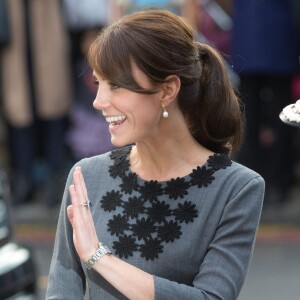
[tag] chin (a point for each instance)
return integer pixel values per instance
(120, 143)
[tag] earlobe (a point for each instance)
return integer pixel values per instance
(171, 89)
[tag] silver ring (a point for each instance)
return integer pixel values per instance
(86, 204)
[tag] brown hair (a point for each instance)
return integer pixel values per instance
(162, 44)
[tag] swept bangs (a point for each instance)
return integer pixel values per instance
(112, 56)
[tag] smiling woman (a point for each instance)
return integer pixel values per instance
(168, 215)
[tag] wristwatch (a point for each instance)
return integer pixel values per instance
(100, 252)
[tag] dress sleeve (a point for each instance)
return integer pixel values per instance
(224, 267)
(66, 278)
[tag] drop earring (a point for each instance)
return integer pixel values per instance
(165, 113)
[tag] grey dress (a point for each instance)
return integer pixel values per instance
(195, 234)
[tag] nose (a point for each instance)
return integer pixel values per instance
(101, 101)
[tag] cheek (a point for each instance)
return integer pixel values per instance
(147, 115)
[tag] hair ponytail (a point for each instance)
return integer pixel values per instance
(215, 120)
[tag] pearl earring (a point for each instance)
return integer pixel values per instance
(165, 113)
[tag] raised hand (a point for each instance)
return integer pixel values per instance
(85, 238)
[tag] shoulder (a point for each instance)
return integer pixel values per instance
(240, 180)
(93, 162)
(236, 177)
(243, 173)
(227, 167)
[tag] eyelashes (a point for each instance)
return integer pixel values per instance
(112, 85)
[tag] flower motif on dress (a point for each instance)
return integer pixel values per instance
(133, 207)
(111, 200)
(177, 188)
(159, 211)
(151, 190)
(129, 183)
(119, 154)
(202, 176)
(185, 212)
(169, 231)
(125, 246)
(151, 249)
(219, 161)
(143, 228)
(113, 171)
(119, 168)
(118, 224)
(147, 220)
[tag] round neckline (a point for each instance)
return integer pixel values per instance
(185, 178)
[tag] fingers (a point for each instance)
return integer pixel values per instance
(84, 232)
(80, 185)
(70, 214)
(74, 211)
(82, 197)
(79, 194)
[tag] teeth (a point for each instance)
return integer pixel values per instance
(115, 119)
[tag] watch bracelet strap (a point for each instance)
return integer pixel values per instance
(99, 253)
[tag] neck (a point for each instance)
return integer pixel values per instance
(167, 157)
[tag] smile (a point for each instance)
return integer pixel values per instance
(115, 120)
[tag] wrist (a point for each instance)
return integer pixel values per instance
(98, 254)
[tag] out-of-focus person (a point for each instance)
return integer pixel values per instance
(125, 7)
(36, 96)
(212, 22)
(87, 132)
(265, 54)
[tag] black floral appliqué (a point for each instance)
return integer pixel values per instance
(151, 249)
(169, 231)
(143, 228)
(119, 168)
(129, 183)
(159, 211)
(118, 225)
(219, 161)
(133, 207)
(152, 212)
(119, 154)
(202, 176)
(185, 212)
(151, 190)
(111, 200)
(177, 188)
(125, 246)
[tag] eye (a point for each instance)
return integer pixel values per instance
(113, 86)
(96, 82)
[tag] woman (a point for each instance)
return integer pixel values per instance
(178, 215)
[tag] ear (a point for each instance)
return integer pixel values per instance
(170, 89)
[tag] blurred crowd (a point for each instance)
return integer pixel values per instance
(47, 87)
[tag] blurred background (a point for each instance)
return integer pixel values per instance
(47, 123)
